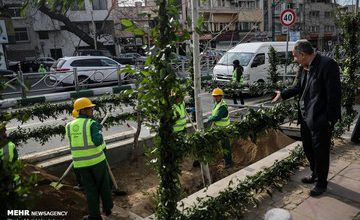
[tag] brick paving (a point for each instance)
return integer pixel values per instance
(340, 202)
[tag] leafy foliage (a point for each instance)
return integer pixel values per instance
(233, 201)
(43, 133)
(274, 61)
(349, 23)
(44, 111)
(16, 189)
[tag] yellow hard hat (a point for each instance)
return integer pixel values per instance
(82, 103)
(217, 91)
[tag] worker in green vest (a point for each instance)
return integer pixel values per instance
(237, 81)
(220, 118)
(8, 152)
(42, 69)
(86, 145)
(179, 114)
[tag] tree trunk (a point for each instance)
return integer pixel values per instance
(70, 26)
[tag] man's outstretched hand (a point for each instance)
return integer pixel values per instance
(277, 97)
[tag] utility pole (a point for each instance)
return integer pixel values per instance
(356, 7)
(273, 20)
(197, 84)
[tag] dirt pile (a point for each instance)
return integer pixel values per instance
(140, 181)
(50, 199)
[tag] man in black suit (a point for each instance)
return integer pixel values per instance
(319, 90)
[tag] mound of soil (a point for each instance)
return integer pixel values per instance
(140, 181)
(50, 199)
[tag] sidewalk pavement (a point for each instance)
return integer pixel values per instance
(340, 202)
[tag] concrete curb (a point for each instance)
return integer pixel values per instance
(61, 96)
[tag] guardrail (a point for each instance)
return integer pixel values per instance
(24, 83)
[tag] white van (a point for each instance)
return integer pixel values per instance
(255, 61)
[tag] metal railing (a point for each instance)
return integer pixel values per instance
(25, 83)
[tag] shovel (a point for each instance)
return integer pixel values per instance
(117, 191)
(57, 185)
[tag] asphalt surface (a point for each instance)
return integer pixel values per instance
(32, 146)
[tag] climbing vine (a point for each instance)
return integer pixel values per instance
(44, 111)
(234, 200)
(43, 133)
(349, 23)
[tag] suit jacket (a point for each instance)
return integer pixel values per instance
(322, 95)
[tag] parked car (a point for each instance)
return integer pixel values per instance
(4, 72)
(89, 69)
(32, 65)
(92, 52)
(130, 58)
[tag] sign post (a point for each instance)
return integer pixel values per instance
(287, 19)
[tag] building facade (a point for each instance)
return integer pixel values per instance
(36, 35)
(230, 22)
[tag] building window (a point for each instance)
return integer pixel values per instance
(43, 35)
(15, 12)
(78, 6)
(314, 28)
(327, 14)
(99, 4)
(221, 3)
(329, 28)
(314, 14)
(21, 34)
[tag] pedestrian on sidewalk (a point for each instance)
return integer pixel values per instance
(87, 144)
(220, 118)
(319, 107)
(8, 150)
(237, 81)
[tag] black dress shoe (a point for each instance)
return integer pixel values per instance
(108, 212)
(309, 180)
(317, 191)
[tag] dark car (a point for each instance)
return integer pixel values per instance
(130, 58)
(6, 74)
(29, 66)
(92, 52)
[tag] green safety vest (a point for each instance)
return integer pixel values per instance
(224, 121)
(84, 152)
(179, 110)
(7, 152)
(234, 76)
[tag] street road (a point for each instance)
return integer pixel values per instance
(32, 146)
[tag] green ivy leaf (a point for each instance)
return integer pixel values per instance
(127, 23)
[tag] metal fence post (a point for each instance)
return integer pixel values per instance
(22, 84)
(118, 69)
(76, 80)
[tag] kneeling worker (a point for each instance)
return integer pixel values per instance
(86, 145)
(220, 118)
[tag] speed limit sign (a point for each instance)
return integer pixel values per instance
(288, 17)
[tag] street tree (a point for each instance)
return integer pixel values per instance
(59, 10)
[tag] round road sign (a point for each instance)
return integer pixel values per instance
(288, 17)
